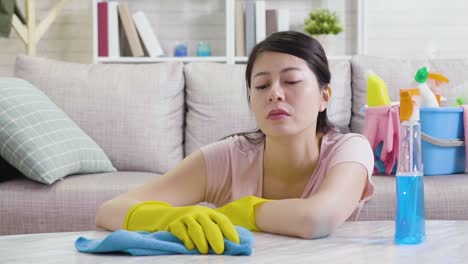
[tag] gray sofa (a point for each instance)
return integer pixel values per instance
(147, 117)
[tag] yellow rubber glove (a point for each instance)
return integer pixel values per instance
(196, 226)
(242, 211)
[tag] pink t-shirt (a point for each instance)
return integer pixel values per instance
(235, 166)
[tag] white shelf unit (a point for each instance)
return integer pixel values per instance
(159, 59)
(361, 28)
(229, 57)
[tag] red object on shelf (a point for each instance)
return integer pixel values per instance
(103, 30)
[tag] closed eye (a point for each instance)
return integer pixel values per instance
(292, 82)
(260, 87)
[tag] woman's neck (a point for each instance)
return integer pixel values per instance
(293, 157)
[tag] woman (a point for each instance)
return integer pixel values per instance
(295, 176)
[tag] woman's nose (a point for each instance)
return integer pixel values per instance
(276, 93)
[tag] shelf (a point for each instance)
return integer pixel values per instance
(228, 56)
(158, 59)
(241, 59)
(186, 59)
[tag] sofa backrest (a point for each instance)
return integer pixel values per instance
(399, 73)
(216, 101)
(142, 119)
(134, 112)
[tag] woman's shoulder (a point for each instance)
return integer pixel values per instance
(234, 144)
(335, 139)
(348, 147)
(247, 144)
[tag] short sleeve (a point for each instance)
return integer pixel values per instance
(356, 148)
(218, 169)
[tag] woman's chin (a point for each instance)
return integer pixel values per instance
(278, 132)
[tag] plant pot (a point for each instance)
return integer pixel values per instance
(328, 43)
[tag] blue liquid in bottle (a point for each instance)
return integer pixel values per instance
(410, 227)
(409, 216)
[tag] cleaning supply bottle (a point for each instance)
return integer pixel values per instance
(434, 81)
(410, 225)
(463, 98)
(377, 93)
(462, 101)
(428, 97)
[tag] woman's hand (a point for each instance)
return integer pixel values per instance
(196, 226)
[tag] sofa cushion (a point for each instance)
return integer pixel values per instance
(399, 73)
(40, 140)
(134, 112)
(68, 205)
(339, 109)
(217, 101)
(71, 204)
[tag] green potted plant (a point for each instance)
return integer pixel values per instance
(323, 25)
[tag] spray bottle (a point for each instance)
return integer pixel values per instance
(463, 98)
(410, 227)
(434, 81)
(377, 93)
(428, 97)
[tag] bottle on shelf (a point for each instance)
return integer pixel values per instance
(203, 49)
(180, 49)
(410, 225)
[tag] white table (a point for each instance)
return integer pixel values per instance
(353, 242)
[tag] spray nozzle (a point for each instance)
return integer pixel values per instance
(438, 77)
(421, 75)
(409, 104)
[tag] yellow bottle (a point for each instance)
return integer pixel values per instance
(377, 93)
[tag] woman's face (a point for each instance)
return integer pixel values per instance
(285, 96)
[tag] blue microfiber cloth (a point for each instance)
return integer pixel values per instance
(158, 243)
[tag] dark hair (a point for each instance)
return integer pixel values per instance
(300, 45)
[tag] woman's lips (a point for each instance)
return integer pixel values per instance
(277, 117)
(277, 114)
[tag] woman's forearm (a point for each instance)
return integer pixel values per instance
(111, 214)
(303, 218)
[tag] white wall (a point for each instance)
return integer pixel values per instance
(68, 38)
(417, 28)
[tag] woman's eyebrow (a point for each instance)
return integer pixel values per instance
(282, 71)
(261, 73)
(290, 69)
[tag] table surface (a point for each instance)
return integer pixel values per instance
(353, 242)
